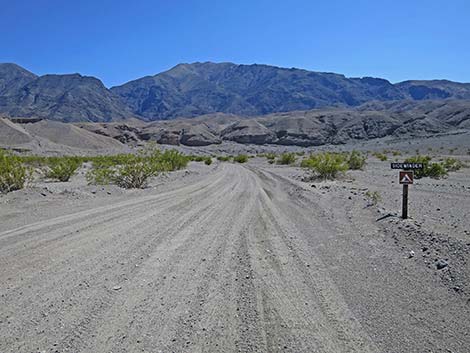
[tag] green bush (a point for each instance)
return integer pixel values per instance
(286, 159)
(133, 171)
(241, 158)
(63, 168)
(197, 158)
(452, 164)
(134, 175)
(356, 161)
(433, 170)
(436, 170)
(224, 158)
(208, 161)
(380, 156)
(326, 165)
(101, 176)
(13, 173)
(270, 156)
(170, 160)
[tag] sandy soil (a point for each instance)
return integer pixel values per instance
(236, 258)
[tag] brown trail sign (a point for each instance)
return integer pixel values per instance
(406, 177)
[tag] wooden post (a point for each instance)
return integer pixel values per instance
(404, 210)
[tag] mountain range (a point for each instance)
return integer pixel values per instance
(190, 90)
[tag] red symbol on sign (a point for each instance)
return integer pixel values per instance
(406, 178)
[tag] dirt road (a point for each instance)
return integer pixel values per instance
(244, 260)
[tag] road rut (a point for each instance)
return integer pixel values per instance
(241, 261)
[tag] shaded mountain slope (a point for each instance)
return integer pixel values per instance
(65, 98)
(189, 90)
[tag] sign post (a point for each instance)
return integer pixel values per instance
(404, 207)
(406, 178)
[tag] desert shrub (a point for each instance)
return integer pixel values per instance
(374, 197)
(194, 158)
(133, 170)
(286, 159)
(436, 170)
(326, 165)
(356, 161)
(13, 173)
(62, 168)
(134, 175)
(380, 156)
(224, 158)
(241, 158)
(270, 156)
(34, 161)
(208, 161)
(300, 153)
(433, 170)
(271, 161)
(170, 160)
(396, 153)
(452, 164)
(101, 176)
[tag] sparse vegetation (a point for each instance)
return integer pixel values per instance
(208, 161)
(194, 158)
(224, 158)
(241, 158)
(453, 164)
(433, 170)
(356, 161)
(133, 171)
(286, 159)
(380, 156)
(270, 156)
(13, 173)
(62, 168)
(326, 165)
(374, 197)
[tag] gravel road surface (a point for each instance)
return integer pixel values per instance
(243, 260)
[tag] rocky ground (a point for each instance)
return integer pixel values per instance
(237, 257)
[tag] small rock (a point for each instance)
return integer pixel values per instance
(117, 287)
(440, 264)
(411, 254)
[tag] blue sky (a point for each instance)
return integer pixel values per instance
(118, 41)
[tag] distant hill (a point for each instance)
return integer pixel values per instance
(190, 90)
(395, 119)
(67, 98)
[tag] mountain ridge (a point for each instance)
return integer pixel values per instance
(192, 89)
